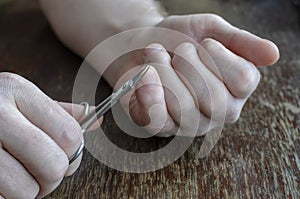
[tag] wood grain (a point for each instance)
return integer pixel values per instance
(258, 157)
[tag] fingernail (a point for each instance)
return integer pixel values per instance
(149, 50)
(150, 77)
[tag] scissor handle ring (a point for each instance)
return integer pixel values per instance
(80, 148)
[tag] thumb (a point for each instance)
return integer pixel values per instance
(77, 111)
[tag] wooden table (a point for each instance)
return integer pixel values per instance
(258, 157)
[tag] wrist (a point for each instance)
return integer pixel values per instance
(147, 14)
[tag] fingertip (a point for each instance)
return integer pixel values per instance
(96, 125)
(261, 52)
(271, 53)
(156, 53)
(150, 77)
(154, 47)
(183, 54)
(75, 110)
(100, 120)
(183, 47)
(74, 166)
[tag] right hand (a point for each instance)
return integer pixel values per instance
(37, 137)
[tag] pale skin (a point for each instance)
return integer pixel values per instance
(35, 144)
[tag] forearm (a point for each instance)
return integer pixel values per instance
(82, 24)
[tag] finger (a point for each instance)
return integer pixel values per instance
(259, 51)
(206, 88)
(240, 76)
(74, 166)
(180, 103)
(160, 58)
(157, 55)
(149, 106)
(77, 111)
(37, 152)
(15, 181)
(48, 116)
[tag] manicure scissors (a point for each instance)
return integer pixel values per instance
(104, 106)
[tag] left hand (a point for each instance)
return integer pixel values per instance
(218, 70)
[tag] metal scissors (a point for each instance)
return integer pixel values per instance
(104, 106)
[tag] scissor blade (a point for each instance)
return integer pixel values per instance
(95, 114)
(104, 106)
(129, 84)
(140, 75)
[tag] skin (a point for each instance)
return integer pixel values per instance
(222, 63)
(221, 55)
(35, 145)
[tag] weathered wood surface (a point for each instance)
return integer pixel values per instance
(258, 157)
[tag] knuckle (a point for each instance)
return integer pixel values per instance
(210, 22)
(155, 49)
(212, 46)
(7, 75)
(156, 53)
(247, 78)
(155, 46)
(159, 57)
(12, 84)
(212, 19)
(232, 115)
(7, 78)
(184, 47)
(207, 42)
(183, 52)
(70, 136)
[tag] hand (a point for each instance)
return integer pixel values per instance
(217, 71)
(37, 138)
(222, 55)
